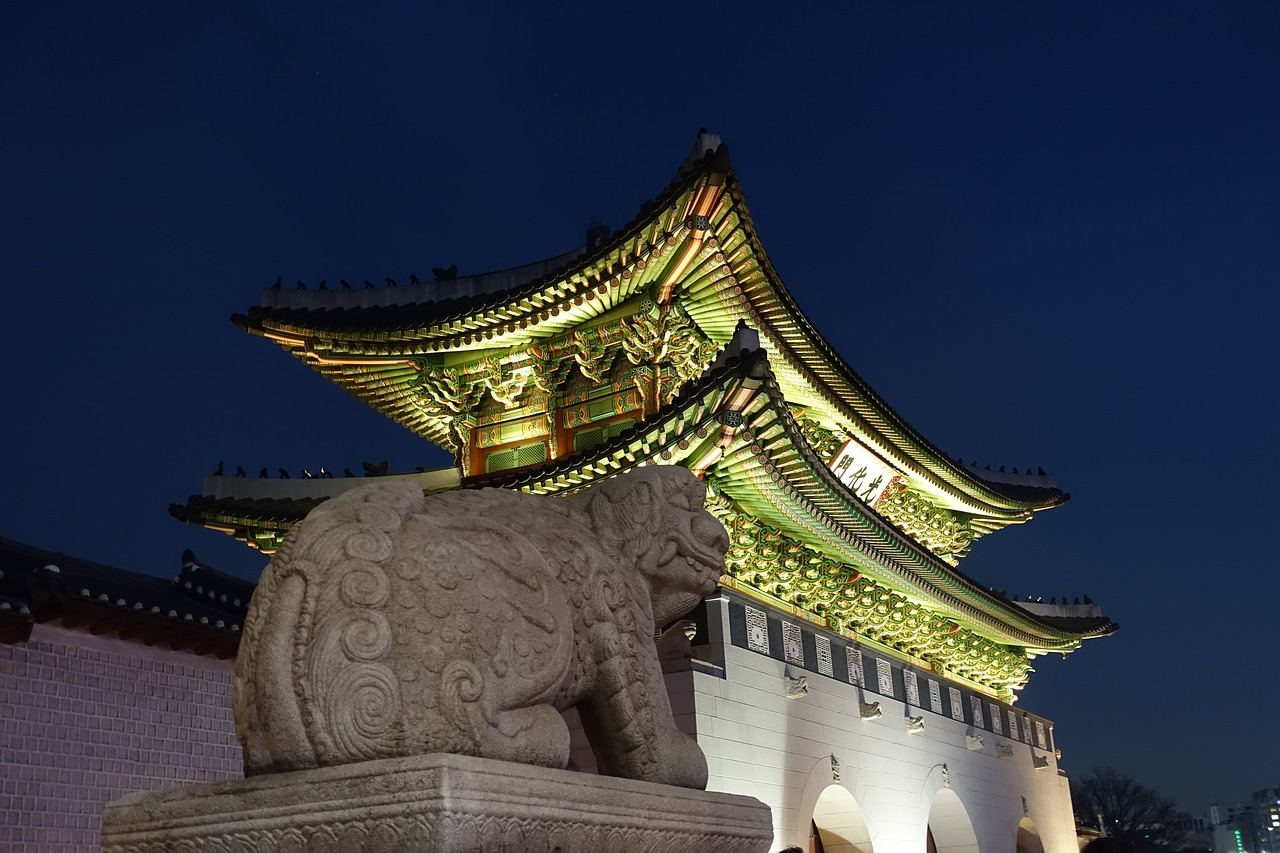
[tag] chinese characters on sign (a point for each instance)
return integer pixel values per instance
(861, 472)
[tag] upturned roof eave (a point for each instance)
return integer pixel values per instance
(913, 566)
(55, 588)
(849, 398)
(888, 553)
(917, 571)
(266, 318)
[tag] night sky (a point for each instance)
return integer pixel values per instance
(1046, 233)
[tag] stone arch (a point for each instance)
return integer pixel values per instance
(949, 828)
(838, 822)
(841, 793)
(1028, 839)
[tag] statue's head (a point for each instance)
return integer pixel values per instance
(654, 519)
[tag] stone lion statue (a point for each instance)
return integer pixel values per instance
(391, 624)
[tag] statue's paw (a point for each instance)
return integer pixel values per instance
(535, 735)
(681, 762)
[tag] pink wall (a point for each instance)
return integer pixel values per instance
(85, 720)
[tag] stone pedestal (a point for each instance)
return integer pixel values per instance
(437, 804)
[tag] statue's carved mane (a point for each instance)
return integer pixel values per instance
(392, 624)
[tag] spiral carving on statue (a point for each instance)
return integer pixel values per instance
(394, 624)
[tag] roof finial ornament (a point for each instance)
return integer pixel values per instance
(413, 279)
(704, 143)
(598, 234)
(447, 274)
(745, 340)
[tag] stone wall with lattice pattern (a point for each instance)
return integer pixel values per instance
(85, 720)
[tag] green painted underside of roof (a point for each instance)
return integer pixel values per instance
(798, 533)
(719, 276)
(811, 374)
(786, 569)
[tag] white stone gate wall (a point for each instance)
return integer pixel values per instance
(779, 750)
(85, 720)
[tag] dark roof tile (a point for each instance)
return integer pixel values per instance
(50, 586)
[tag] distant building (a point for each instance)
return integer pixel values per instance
(1219, 814)
(1266, 820)
(1236, 834)
(1192, 826)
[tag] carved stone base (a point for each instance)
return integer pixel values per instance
(436, 804)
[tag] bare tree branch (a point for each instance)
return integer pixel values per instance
(1129, 811)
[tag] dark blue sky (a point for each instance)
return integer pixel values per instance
(1046, 233)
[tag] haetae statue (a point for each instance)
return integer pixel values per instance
(392, 624)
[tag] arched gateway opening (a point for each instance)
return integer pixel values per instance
(838, 825)
(1029, 837)
(950, 830)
